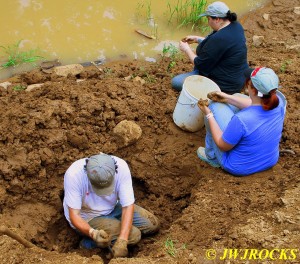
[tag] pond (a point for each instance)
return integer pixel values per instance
(81, 31)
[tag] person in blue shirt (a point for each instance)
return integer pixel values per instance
(243, 133)
(222, 55)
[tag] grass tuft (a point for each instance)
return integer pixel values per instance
(170, 247)
(16, 57)
(19, 87)
(144, 12)
(173, 53)
(186, 13)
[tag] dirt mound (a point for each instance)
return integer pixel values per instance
(46, 129)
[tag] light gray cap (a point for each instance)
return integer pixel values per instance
(216, 9)
(101, 171)
(264, 80)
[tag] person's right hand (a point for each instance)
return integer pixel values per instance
(203, 106)
(184, 46)
(102, 239)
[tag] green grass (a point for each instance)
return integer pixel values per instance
(173, 53)
(170, 247)
(19, 87)
(16, 57)
(186, 13)
(144, 13)
(285, 65)
(143, 10)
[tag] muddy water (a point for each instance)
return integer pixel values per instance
(79, 31)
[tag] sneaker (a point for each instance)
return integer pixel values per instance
(87, 243)
(201, 154)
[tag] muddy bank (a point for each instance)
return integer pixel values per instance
(43, 131)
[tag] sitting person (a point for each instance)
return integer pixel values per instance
(243, 133)
(99, 204)
(222, 55)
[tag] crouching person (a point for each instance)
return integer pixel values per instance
(99, 204)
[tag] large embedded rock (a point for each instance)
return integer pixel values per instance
(127, 133)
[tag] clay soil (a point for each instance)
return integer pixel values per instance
(200, 207)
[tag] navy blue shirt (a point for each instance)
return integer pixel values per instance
(222, 57)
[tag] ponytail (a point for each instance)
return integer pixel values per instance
(270, 101)
(231, 16)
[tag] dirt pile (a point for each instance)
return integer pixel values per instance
(43, 131)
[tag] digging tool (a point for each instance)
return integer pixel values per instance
(5, 231)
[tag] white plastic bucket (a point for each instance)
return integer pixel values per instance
(187, 114)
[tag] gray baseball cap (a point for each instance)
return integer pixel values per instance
(216, 9)
(264, 79)
(101, 171)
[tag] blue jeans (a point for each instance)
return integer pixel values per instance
(178, 80)
(222, 114)
(144, 222)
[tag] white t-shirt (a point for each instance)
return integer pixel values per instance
(79, 193)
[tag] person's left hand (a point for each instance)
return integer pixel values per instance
(119, 250)
(203, 105)
(184, 46)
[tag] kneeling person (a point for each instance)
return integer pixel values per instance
(99, 204)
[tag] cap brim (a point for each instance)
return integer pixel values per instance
(104, 191)
(247, 72)
(202, 15)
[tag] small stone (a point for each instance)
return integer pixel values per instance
(297, 10)
(192, 258)
(5, 84)
(128, 78)
(139, 79)
(257, 40)
(266, 16)
(33, 87)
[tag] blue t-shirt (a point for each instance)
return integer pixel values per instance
(222, 57)
(255, 134)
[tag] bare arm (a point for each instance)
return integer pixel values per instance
(192, 39)
(79, 222)
(126, 222)
(238, 101)
(185, 47)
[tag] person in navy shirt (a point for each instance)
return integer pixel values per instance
(222, 55)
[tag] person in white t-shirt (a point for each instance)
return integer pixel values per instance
(99, 204)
